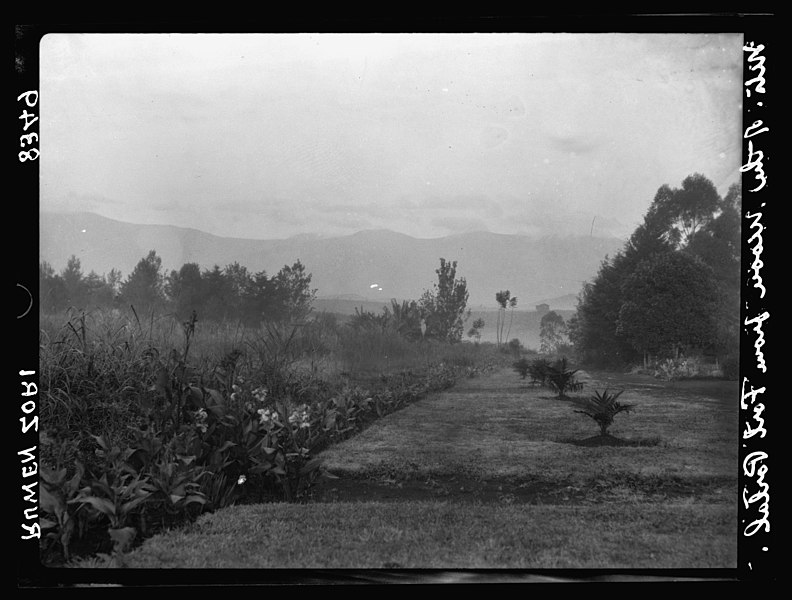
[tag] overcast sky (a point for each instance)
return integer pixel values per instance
(272, 135)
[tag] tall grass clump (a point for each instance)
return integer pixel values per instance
(93, 371)
(366, 352)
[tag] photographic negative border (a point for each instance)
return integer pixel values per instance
(756, 554)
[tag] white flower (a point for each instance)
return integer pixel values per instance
(300, 417)
(242, 479)
(200, 419)
(267, 415)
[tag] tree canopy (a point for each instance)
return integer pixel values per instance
(552, 329)
(668, 303)
(444, 306)
(676, 281)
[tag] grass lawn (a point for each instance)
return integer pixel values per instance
(495, 473)
(449, 535)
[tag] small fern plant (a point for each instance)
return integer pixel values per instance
(603, 407)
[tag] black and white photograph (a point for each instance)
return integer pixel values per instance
(448, 305)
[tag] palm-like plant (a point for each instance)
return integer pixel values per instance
(561, 379)
(603, 407)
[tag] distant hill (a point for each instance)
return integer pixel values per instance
(370, 266)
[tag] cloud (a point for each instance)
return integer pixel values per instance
(407, 132)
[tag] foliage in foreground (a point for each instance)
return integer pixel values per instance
(136, 439)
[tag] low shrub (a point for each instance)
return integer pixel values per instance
(561, 379)
(539, 370)
(515, 347)
(602, 408)
(522, 367)
(685, 368)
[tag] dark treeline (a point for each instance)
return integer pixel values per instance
(214, 294)
(233, 293)
(674, 289)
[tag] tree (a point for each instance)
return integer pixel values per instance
(552, 329)
(185, 289)
(216, 294)
(293, 293)
(52, 289)
(98, 291)
(512, 305)
(114, 279)
(669, 304)
(595, 336)
(74, 283)
(677, 219)
(444, 305)
(239, 284)
(475, 330)
(143, 289)
(504, 300)
(691, 208)
(718, 244)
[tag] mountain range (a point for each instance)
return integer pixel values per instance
(368, 266)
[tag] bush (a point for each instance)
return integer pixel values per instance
(522, 367)
(683, 368)
(515, 347)
(539, 370)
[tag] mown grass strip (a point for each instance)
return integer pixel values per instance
(447, 535)
(498, 426)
